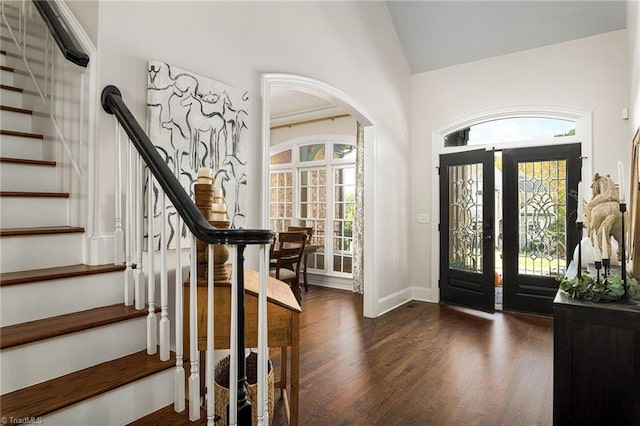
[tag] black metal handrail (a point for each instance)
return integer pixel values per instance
(61, 34)
(112, 103)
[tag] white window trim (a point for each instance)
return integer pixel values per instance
(582, 117)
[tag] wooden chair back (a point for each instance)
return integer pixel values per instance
(289, 249)
(307, 229)
(287, 254)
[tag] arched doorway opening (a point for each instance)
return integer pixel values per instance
(350, 106)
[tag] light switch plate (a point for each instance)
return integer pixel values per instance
(423, 218)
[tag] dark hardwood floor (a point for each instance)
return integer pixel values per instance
(421, 364)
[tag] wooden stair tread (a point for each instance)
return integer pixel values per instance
(35, 275)
(27, 161)
(6, 68)
(33, 331)
(34, 194)
(12, 88)
(43, 398)
(45, 230)
(15, 109)
(167, 416)
(21, 134)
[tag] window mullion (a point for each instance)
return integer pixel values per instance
(295, 197)
(328, 240)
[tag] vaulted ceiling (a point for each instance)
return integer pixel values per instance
(438, 34)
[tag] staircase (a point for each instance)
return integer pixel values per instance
(70, 351)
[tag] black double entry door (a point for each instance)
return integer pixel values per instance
(507, 216)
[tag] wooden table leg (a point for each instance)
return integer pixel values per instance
(283, 368)
(295, 369)
(304, 272)
(283, 382)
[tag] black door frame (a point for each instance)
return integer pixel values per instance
(458, 287)
(530, 293)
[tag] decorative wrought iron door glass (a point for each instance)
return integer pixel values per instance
(542, 239)
(465, 217)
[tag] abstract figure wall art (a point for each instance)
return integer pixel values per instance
(196, 122)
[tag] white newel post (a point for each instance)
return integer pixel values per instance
(164, 289)
(128, 231)
(179, 379)
(152, 321)
(118, 235)
(194, 377)
(138, 274)
(210, 339)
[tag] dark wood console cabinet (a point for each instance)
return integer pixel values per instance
(596, 362)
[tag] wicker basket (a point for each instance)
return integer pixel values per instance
(221, 381)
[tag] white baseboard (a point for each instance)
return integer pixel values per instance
(385, 304)
(392, 301)
(399, 298)
(422, 294)
(339, 283)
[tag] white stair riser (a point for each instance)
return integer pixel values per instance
(59, 297)
(20, 79)
(119, 406)
(21, 147)
(13, 57)
(7, 40)
(36, 362)
(40, 251)
(25, 177)
(6, 77)
(23, 100)
(24, 212)
(3, 59)
(16, 121)
(11, 98)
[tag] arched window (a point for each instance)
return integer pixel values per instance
(511, 129)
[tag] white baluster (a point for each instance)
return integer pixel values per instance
(263, 344)
(118, 235)
(138, 274)
(179, 378)
(164, 289)
(48, 49)
(210, 327)
(128, 231)
(152, 321)
(233, 344)
(194, 377)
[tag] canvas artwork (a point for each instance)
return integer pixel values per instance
(195, 122)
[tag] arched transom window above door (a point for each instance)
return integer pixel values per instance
(512, 129)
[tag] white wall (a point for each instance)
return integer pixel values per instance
(87, 14)
(590, 73)
(349, 45)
